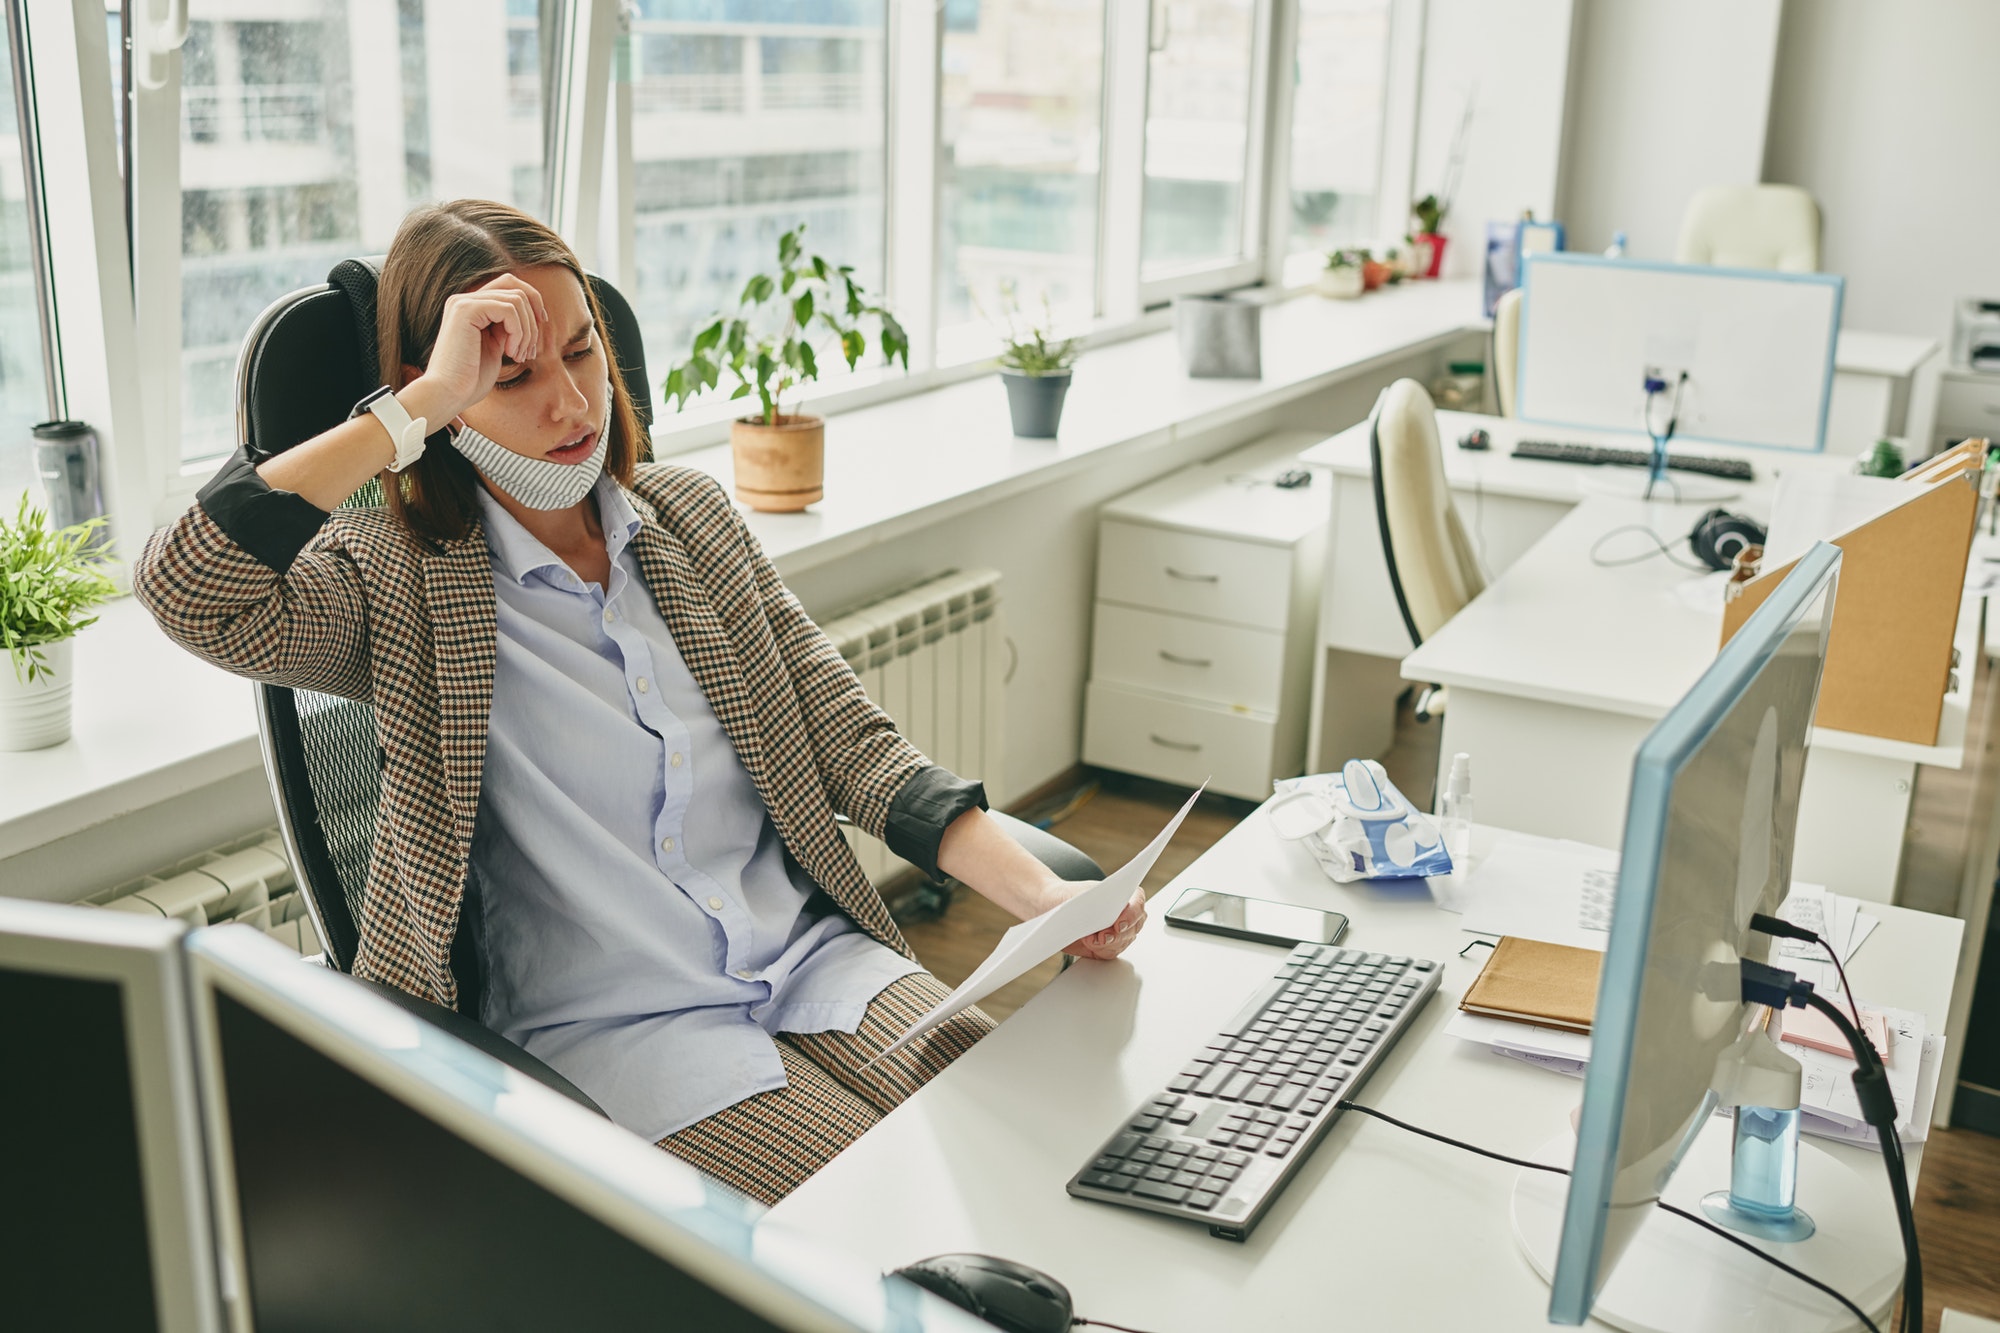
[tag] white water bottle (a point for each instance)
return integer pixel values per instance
(1615, 250)
(1455, 814)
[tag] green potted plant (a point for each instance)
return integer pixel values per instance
(1036, 369)
(1341, 278)
(48, 580)
(767, 345)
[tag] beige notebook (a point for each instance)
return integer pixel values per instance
(1532, 981)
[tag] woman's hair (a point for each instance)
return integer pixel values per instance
(440, 251)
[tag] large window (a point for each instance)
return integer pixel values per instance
(748, 118)
(1339, 81)
(307, 129)
(1018, 148)
(1199, 114)
(23, 392)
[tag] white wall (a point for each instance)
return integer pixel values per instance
(1510, 59)
(1885, 112)
(1666, 96)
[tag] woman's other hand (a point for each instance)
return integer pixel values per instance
(1112, 940)
(482, 330)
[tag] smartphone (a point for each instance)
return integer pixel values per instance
(1255, 919)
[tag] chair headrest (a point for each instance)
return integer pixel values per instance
(356, 279)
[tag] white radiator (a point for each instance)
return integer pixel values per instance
(246, 880)
(934, 658)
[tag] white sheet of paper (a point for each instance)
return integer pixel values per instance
(1042, 937)
(1534, 887)
(1525, 1038)
(1828, 1090)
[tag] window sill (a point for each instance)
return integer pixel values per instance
(153, 722)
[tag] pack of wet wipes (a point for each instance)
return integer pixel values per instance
(1357, 825)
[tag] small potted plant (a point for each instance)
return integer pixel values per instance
(1341, 278)
(1373, 271)
(47, 581)
(1428, 241)
(1036, 368)
(767, 346)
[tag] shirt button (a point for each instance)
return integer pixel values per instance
(609, 615)
(676, 760)
(643, 686)
(715, 904)
(666, 844)
(746, 974)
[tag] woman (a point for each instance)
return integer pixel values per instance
(613, 743)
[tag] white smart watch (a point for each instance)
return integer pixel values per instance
(406, 431)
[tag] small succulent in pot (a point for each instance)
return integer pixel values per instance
(1036, 368)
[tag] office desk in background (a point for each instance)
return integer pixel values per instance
(1508, 505)
(1560, 668)
(1379, 1229)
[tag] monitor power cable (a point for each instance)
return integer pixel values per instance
(1660, 547)
(1785, 930)
(1682, 1213)
(1778, 989)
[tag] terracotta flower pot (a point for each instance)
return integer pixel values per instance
(780, 468)
(1373, 274)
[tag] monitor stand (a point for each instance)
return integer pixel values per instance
(1677, 1278)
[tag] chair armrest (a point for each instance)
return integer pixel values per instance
(485, 1039)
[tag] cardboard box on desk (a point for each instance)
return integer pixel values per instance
(1896, 604)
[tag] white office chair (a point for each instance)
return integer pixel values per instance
(1751, 226)
(1506, 349)
(1434, 568)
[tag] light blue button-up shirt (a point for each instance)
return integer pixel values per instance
(643, 929)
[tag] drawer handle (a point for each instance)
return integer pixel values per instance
(1178, 660)
(1173, 573)
(1189, 746)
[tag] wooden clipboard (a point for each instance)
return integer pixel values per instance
(1896, 604)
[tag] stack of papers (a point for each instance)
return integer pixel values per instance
(1561, 892)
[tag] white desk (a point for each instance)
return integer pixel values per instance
(1560, 668)
(1378, 1230)
(1508, 504)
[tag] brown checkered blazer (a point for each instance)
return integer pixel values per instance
(356, 605)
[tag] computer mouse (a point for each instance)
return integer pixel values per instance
(1475, 439)
(1003, 1293)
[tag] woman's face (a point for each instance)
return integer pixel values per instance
(553, 406)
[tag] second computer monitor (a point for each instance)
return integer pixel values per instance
(102, 1188)
(1757, 349)
(373, 1172)
(1708, 842)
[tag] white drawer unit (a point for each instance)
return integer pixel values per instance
(1232, 665)
(1207, 594)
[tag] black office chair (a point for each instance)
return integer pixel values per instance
(305, 362)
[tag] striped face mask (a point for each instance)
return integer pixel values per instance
(535, 482)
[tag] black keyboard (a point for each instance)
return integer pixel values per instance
(1233, 1126)
(1597, 455)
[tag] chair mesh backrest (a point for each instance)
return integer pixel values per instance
(343, 766)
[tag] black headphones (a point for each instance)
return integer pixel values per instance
(1720, 536)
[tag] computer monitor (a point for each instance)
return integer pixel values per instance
(102, 1184)
(1708, 842)
(374, 1172)
(1757, 347)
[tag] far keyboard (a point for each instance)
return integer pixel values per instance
(1219, 1143)
(1594, 455)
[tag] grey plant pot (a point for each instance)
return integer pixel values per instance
(1219, 337)
(1035, 402)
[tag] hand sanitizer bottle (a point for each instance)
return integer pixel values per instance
(1455, 814)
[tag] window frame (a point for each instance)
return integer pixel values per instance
(117, 284)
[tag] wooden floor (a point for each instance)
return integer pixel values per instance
(1958, 1198)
